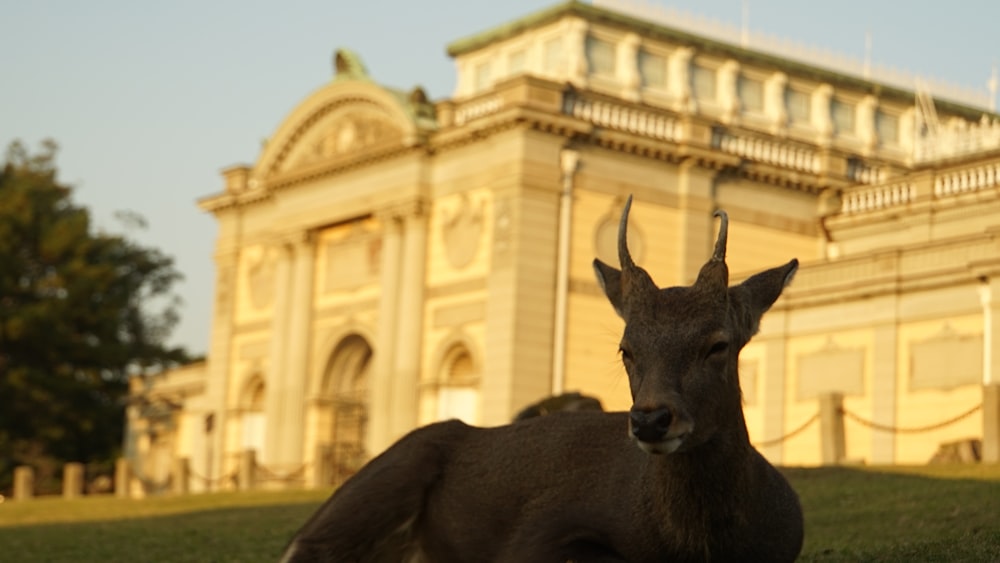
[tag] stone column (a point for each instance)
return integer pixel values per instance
(247, 473)
(384, 360)
(296, 370)
(831, 428)
(181, 475)
(72, 482)
(884, 393)
(774, 101)
(276, 380)
(24, 482)
(679, 79)
(991, 423)
(628, 66)
(410, 319)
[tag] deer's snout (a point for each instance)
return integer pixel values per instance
(651, 429)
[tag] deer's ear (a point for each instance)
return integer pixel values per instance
(756, 295)
(610, 279)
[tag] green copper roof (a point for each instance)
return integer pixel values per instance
(701, 44)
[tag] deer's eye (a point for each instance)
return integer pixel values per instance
(719, 348)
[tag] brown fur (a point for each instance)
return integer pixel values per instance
(575, 486)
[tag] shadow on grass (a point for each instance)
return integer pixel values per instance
(245, 534)
(900, 514)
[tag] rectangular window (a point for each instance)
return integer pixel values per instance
(653, 70)
(887, 128)
(751, 94)
(554, 55)
(843, 114)
(703, 82)
(600, 56)
(517, 61)
(799, 106)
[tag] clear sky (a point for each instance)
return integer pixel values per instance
(149, 100)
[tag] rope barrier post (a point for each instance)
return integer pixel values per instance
(991, 423)
(72, 481)
(831, 428)
(123, 477)
(181, 476)
(248, 467)
(24, 482)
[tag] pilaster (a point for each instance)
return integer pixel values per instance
(380, 428)
(695, 205)
(275, 399)
(296, 369)
(409, 322)
(884, 389)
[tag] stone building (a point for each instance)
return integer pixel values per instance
(389, 261)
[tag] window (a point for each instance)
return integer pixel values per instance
(751, 93)
(652, 70)
(887, 128)
(703, 82)
(843, 114)
(554, 55)
(799, 105)
(483, 76)
(517, 62)
(600, 56)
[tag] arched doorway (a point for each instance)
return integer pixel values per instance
(454, 391)
(345, 402)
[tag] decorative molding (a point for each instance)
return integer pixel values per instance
(455, 288)
(831, 369)
(946, 360)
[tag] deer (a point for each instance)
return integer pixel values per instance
(675, 478)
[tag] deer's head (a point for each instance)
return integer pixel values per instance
(681, 345)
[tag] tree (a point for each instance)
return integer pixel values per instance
(76, 321)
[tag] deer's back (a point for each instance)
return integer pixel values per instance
(575, 483)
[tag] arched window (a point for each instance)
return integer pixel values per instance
(344, 405)
(454, 392)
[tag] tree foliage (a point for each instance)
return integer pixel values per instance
(77, 319)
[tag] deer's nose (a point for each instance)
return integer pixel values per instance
(650, 426)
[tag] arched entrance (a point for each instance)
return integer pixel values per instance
(344, 408)
(454, 390)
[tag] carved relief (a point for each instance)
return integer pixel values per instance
(606, 236)
(352, 260)
(343, 133)
(831, 369)
(946, 360)
(461, 230)
(260, 268)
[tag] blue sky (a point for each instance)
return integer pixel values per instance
(149, 100)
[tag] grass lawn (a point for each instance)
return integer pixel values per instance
(934, 513)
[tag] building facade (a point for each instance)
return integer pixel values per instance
(389, 261)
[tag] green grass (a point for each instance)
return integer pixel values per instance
(934, 513)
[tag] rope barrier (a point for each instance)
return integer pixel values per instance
(229, 477)
(271, 475)
(912, 430)
(799, 430)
